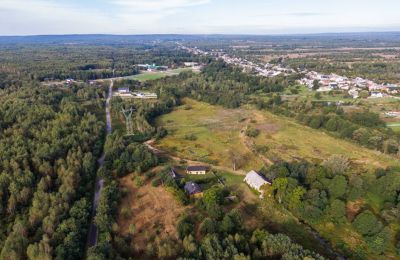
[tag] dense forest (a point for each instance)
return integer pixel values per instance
(334, 193)
(49, 142)
(87, 62)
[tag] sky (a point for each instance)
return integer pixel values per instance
(38, 17)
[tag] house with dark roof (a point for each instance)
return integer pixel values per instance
(196, 170)
(192, 188)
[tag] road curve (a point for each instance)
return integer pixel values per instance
(93, 232)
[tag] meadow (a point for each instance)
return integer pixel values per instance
(146, 76)
(212, 134)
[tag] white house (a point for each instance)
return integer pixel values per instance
(123, 90)
(197, 170)
(376, 94)
(255, 180)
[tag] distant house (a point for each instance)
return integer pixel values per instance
(192, 188)
(376, 95)
(255, 180)
(123, 90)
(190, 64)
(199, 170)
(69, 81)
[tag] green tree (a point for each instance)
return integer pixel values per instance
(367, 224)
(279, 186)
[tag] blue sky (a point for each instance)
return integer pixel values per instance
(30, 17)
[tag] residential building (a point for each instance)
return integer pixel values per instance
(192, 188)
(198, 170)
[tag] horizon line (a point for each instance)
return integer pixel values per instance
(202, 34)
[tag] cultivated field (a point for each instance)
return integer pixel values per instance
(203, 132)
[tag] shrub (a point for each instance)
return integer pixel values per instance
(252, 132)
(336, 164)
(156, 182)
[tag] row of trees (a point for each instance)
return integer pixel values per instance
(364, 127)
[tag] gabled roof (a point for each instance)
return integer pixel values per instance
(196, 168)
(255, 179)
(192, 188)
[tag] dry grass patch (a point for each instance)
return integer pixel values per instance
(152, 210)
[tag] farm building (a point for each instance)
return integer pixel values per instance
(192, 188)
(255, 180)
(196, 170)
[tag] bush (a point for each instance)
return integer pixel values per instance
(252, 132)
(190, 137)
(156, 182)
(138, 182)
(336, 164)
(367, 224)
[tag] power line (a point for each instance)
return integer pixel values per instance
(128, 120)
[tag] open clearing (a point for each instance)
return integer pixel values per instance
(153, 210)
(202, 132)
(145, 76)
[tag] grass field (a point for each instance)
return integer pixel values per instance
(198, 131)
(203, 132)
(394, 126)
(145, 76)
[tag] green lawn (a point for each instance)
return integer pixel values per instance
(145, 76)
(394, 126)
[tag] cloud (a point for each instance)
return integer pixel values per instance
(302, 14)
(105, 16)
(158, 5)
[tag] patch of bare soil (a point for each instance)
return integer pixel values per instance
(153, 211)
(353, 208)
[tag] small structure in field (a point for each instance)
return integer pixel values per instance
(145, 95)
(123, 90)
(190, 64)
(256, 181)
(192, 188)
(197, 170)
(69, 81)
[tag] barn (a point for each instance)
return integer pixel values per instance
(255, 180)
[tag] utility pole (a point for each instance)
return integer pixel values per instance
(128, 120)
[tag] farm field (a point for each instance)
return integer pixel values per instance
(199, 131)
